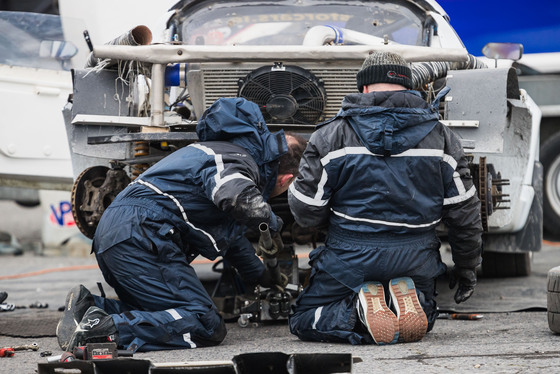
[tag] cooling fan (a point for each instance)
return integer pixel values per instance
(285, 94)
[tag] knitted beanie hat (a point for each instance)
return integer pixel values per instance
(384, 67)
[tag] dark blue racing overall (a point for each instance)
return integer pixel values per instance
(381, 176)
(197, 201)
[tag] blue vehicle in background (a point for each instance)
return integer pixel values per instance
(535, 25)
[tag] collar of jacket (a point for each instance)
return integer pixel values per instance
(389, 122)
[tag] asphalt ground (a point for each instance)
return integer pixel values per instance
(501, 342)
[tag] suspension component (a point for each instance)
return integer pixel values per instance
(93, 191)
(490, 190)
(140, 149)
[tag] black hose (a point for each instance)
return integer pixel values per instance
(426, 72)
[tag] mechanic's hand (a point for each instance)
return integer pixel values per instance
(277, 245)
(467, 281)
(271, 278)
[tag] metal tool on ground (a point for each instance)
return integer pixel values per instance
(26, 347)
(67, 357)
(92, 351)
(64, 357)
(6, 307)
(461, 316)
(96, 351)
(100, 351)
(39, 305)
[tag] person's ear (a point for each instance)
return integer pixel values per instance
(285, 179)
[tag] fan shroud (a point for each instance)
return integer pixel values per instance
(285, 94)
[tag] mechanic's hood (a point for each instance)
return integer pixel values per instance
(389, 122)
(240, 122)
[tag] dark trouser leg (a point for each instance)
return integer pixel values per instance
(169, 307)
(425, 289)
(169, 329)
(325, 311)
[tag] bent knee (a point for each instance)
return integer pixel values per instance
(216, 328)
(215, 338)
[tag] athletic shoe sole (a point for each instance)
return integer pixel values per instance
(381, 322)
(72, 316)
(413, 323)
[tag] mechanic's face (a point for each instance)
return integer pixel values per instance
(283, 181)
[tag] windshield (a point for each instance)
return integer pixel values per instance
(287, 22)
(34, 40)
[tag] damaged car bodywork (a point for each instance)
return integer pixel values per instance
(297, 60)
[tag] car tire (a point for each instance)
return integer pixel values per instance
(502, 265)
(553, 299)
(550, 158)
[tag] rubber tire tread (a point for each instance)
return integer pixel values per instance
(553, 280)
(548, 154)
(553, 299)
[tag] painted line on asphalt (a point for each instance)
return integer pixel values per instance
(195, 262)
(93, 267)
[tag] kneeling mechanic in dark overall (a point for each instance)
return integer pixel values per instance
(199, 200)
(382, 175)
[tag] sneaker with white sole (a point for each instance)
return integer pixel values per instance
(413, 323)
(78, 301)
(380, 321)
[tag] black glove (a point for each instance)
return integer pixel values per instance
(279, 224)
(271, 278)
(277, 245)
(467, 281)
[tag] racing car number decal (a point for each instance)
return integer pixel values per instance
(286, 17)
